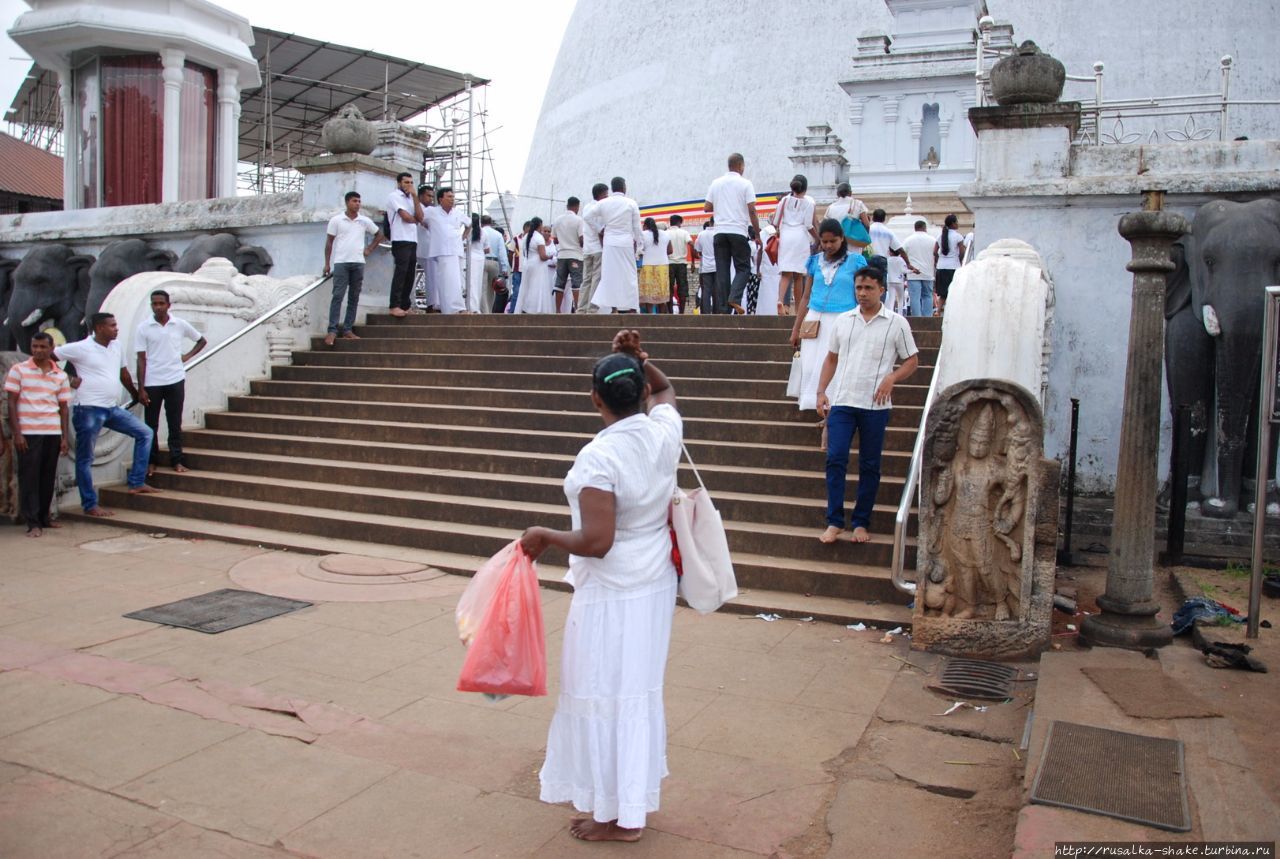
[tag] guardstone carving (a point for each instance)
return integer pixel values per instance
(981, 588)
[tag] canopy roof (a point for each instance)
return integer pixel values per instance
(304, 82)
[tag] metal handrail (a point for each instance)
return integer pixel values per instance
(206, 355)
(910, 490)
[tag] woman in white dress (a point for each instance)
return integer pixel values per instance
(947, 257)
(537, 280)
(655, 268)
(606, 749)
(849, 206)
(475, 282)
(796, 220)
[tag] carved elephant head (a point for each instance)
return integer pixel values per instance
(6, 289)
(252, 259)
(119, 261)
(248, 259)
(51, 284)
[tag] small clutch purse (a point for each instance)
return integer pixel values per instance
(809, 328)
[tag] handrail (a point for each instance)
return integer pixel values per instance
(206, 355)
(908, 491)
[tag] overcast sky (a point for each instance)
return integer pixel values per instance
(512, 44)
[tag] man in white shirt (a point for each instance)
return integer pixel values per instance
(495, 264)
(445, 225)
(617, 217)
(567, 231)
(161, 375)
(732, 199)
(679, 260)
(591, 250)
(854, 394)
(404, 213)
(429, 299)
(100, 367)
(919, 246)
(345, 251)
(704, 254)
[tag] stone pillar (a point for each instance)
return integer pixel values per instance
(1128, 609)
(173, 61)
(891, 105)
(228, 139)
(856, 107)
(71, 151)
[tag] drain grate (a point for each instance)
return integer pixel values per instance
(974, 678)
(218, 611)
(1114, 773)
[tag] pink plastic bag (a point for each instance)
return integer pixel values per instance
(500, 620)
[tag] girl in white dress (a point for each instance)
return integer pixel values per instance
(655, 268)
(606, 750)
(475, 283)
(770, 301)
(797, 223)
(537, 280)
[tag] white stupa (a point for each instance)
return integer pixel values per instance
(662, 96)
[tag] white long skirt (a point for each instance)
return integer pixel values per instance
(770, 282)
(475, 285)
(619, 287)
(793, 249)
(446, 275)
(535, 288)
(812, 353)
(607, 747)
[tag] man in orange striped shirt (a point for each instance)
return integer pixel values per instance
(38, 396)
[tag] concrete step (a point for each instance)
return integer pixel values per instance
(442, 511)
(465, 328)
(334, 368)
(375, 396)
(845, 573)
(751, 600)
(504, 348)
(564, 445)
(512, 491)
(609, 324)
(407, 423)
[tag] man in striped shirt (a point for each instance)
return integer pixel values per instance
(38, 415)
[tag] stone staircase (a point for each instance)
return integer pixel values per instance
(446, 436)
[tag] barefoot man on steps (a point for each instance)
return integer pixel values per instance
(865, 343)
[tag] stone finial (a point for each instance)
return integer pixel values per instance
(1027, 76)
(349, 131)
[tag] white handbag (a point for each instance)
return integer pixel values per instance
(708, 581)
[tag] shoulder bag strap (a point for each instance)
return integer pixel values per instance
(691, 465)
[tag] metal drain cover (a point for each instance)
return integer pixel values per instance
(974, 678)
(218, 611)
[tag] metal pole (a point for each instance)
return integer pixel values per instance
(205, 356)
(1225, 62)
(471, 115)
(1097, 102)
(1176, 532)
(1065, 557)
(1266, 411)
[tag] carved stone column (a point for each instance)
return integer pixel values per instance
(891, 105)
(856, 106)
(71, 192)
(173, 61)
(1128, 617)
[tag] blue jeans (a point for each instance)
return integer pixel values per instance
(921, 297)
(88, 422)
(869, 424)
(515, 292)
(348, 278)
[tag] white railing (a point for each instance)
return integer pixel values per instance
(1201, 116)
(910, 493)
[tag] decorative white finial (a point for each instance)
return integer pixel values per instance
(907, 209)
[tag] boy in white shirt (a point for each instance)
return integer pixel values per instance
(345, 251)
(161, 375)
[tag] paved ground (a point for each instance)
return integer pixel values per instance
(335, 731)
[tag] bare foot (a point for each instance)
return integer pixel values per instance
(861, 535)
(151, 471)
(830, 535)
(586, 829)
(98, 511)
(181, 469)
(351, 335)
(34, 532)
(144, 489)
(329, 339)
(54, 524)
(397, 312)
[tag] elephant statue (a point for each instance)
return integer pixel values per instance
(50, 284)
(248, 259)
(1213, 341)
(120, 260)
(6, 289)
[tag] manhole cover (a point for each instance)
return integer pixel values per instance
(1114, 773)
(974, 678)
(218, 611)
(357, 565)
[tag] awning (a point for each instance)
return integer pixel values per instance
(304, 82)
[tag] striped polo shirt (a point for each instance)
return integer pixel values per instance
(39, 394)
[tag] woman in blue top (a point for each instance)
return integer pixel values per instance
(826, 293)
